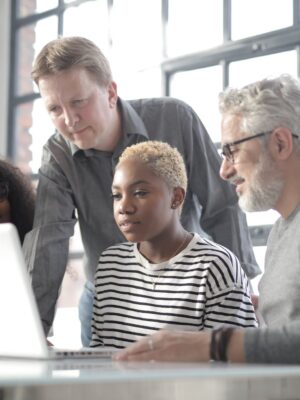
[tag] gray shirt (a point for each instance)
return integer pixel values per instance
(279, 300)
(76, 184)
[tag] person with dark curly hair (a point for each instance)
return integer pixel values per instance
(17, 198)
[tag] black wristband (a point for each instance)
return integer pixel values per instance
(225, 336)
(214, 345)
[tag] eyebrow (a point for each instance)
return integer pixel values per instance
(139, 182)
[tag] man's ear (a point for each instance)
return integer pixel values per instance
(178, 197)
(112, 94)
(282, 143)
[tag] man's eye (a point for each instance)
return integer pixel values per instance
(79, 102)
(54, 110)
(234, 151)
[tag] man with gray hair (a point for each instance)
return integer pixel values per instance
(261, 158)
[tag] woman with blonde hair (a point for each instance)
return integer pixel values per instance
(164, 277)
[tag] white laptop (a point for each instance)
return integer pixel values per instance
(21, 332)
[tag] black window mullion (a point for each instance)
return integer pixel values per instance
(11, 145)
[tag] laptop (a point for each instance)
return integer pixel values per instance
(21, 332)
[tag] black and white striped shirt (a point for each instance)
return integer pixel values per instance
(200, 288)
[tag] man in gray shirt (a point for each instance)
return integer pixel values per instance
(261, 150)
(93, 127)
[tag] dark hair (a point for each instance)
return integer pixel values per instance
(18, 190)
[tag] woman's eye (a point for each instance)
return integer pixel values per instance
(140, 193)
(116, 196)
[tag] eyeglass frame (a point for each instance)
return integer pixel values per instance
(226, 147)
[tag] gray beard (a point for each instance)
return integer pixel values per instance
(265, 188)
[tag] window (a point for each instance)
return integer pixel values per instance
(253, 17)
(193, 25)
(187, 49)
(200, 89)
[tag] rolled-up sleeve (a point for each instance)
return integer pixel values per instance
(273, 345)
(46, 247)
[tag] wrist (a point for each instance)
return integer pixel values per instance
(235, 347)
(219, 343)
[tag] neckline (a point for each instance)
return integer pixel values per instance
(159, 266)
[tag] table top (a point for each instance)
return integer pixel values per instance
(29, 372)
(45, 377)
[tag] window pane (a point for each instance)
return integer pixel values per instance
(254, 17)
(194, 25)
(135, 85)
(96, 29)
(23, 123)
(243, 72)
(33, 128)
(136, 38)
(262, 218)
(40, 130)
(29, 7)
(30, 40)
(200, 89)
(24, 55)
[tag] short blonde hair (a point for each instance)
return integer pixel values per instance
(165, 161)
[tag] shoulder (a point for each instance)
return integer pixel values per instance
(116, 256)
(223, 269)
(57, 148)
(161, 104)
(57, 141)
(124, 249)
(212, 249)
(219, 261)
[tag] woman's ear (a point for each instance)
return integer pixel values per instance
(178, 197)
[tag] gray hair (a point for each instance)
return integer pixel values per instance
(265, 105)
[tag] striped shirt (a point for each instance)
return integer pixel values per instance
(200, 288)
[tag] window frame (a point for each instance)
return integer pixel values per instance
(256, 46)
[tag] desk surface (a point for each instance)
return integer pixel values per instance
(104, 379)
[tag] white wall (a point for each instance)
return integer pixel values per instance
(4, 71)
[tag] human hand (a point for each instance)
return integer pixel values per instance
(166, 345)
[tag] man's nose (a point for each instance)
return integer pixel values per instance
(71, 118)
(227, 169)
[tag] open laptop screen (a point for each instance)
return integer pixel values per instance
(21, 333)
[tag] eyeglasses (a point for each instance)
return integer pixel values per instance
(227, 151)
